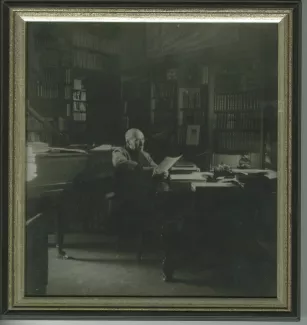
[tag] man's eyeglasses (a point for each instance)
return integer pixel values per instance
(138, 140)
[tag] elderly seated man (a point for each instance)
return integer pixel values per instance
(137, 175)
(136, 172)
(133, 157)
(137, 178)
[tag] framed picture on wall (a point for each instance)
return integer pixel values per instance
(114, 220)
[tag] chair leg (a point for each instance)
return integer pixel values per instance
(168, 268)
(141, 247)
(169, 239)
(60, 237)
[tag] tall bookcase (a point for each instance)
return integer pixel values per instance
(163, 97)
(89, 58)
(163, 112)
(45, 84)
(67, 71)
(238, 125)
(192, 116)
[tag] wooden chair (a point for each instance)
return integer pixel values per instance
(124, 217)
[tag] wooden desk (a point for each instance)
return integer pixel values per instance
(222, 213)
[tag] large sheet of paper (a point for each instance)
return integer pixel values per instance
(168, 163)
(270, 174)
(193, 177)
(188, 169)
(211, 184)
(248, 171)
(103, 147)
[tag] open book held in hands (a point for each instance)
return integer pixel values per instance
(167, 164)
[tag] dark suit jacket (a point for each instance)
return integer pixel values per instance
(133, 175)
(124, 158)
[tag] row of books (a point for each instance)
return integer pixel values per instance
(67, 92)
(79, 106)
(33, 136)
(238, 141)
(238, 121)
(164, 90)
(235, 102)
(79, 95)
(92, 42)
(83, 59)
(47, 90)
(67, 76)
(190, 100)
(51, 76)
(79, 116)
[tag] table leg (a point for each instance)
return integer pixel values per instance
(59, 233)
(169, 239)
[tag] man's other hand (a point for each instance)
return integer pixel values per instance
(165, 174)
(159, 172)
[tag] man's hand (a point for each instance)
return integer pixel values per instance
(159, 172)
(165, 174)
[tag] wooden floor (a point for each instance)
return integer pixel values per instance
(107, 269)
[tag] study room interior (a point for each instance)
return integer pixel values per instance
(204, 97)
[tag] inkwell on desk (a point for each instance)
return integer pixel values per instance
(223, 174)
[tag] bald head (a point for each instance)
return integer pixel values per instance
(135, 139)
(134, 134)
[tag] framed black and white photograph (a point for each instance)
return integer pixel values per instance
(150, 160)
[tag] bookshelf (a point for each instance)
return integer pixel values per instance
(66, 69)
(163, 109)
(238, 123)
(192, 105)
(44, 84)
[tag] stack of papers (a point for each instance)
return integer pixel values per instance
(103, 147)
(249, 171)
(185, 168)
(31, 164)
(184, 164)
(54, 149)
(196, 185)
(270, 174)
(38, 147)
(193, 177)
(167, 163)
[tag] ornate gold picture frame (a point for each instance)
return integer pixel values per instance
(17, 20)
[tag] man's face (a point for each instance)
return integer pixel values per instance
(137, 142)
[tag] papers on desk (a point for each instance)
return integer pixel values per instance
(185, 169)
(37, 147)
(223, 183)
(66, 150)
(233, 181)
(31, 164)
(270, 174)
(168, 163)
(196, 185)
(249, 171)
(103, 147)
(184, 164)
(192, 177)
